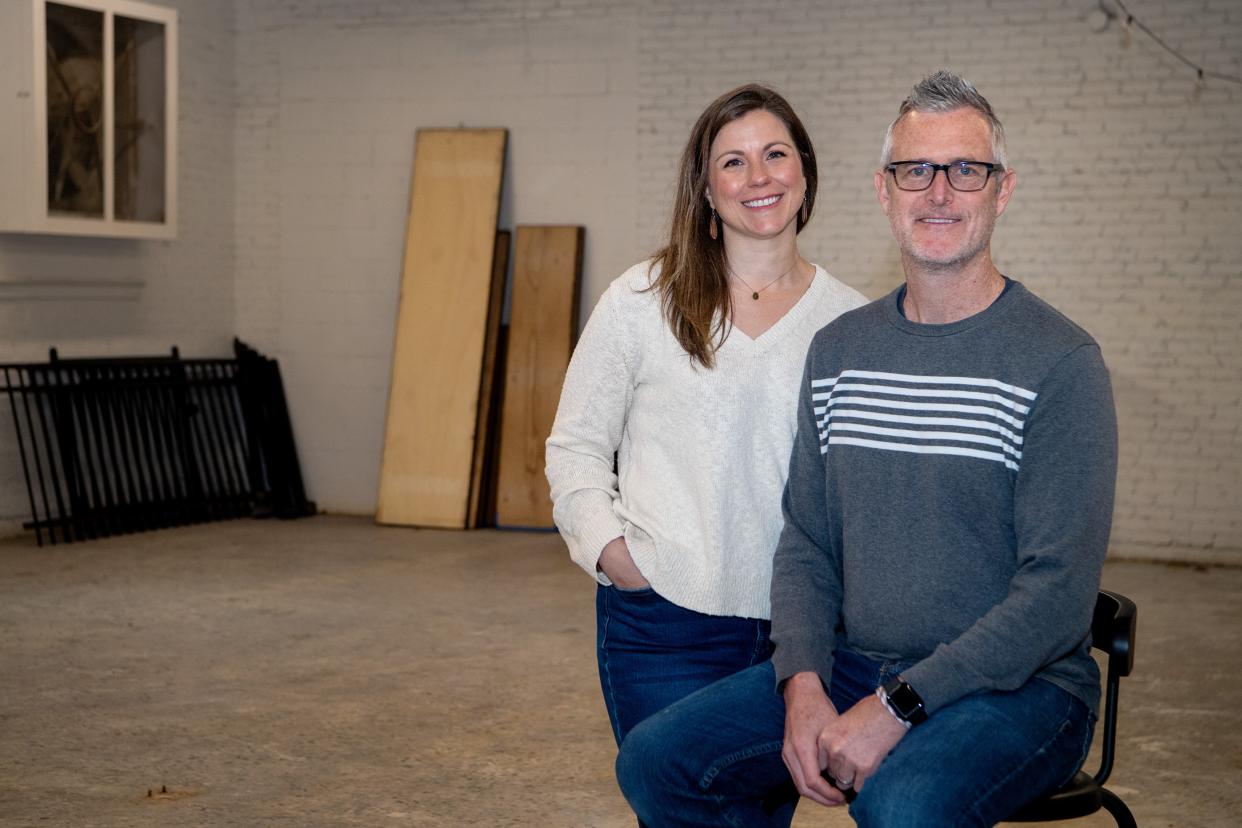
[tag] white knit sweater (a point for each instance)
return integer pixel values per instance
(702, 454)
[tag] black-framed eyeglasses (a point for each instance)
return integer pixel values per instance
(964, 176)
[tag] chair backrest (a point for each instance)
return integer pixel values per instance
(1113, 629)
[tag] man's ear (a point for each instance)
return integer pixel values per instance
(881, 189)
(1005, 190)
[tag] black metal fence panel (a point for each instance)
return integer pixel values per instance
(110, 446)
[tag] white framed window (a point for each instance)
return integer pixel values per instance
(88, 135)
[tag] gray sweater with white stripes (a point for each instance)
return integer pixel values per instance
(949, 499)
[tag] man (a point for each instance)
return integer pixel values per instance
(946, 518)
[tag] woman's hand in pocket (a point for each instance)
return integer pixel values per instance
(616, 563)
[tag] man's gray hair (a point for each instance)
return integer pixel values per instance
(944, 91)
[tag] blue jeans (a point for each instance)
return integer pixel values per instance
(714, 759)
(653, 652)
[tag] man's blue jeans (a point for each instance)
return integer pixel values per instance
(653, 652)
(714, 758)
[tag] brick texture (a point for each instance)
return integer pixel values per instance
(93, 297)
(1127, 213)
(330, 95)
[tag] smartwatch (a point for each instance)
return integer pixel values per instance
(903, 702)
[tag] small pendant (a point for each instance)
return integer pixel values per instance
(755, 296)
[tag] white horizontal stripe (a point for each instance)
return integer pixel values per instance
(991, 383)
(898, 418)
(956, 436)
(916, 406)
(879, 444)
(932, 392)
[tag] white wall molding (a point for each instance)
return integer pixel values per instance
(71, 290)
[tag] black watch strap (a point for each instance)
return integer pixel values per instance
(904, 701)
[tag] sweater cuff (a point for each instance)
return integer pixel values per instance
(591, 539)
(934, 687)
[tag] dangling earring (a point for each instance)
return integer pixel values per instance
(805, 209)
(712, 229)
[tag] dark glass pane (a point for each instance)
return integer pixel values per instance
(140, 119)
(74, 111)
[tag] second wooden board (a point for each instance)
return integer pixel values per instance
(483, 484)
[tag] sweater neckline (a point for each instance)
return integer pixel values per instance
(892, 312)
(779, 329)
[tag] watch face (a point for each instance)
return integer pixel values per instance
(905, 701)
(900, 697)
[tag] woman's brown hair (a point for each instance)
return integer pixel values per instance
(693, 283)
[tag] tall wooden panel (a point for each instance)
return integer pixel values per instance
(543, 323)
(441, 328)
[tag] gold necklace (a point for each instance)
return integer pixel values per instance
(754, 294)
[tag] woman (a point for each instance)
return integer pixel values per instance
(689, 370)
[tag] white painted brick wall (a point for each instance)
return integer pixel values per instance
(330, 95)
(177, 292)
(1127, 214)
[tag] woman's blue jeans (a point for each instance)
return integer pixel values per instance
(714, 758)
(653, 652)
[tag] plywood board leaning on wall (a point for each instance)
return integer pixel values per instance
(482, 486)
(442, 316)
(543, 323)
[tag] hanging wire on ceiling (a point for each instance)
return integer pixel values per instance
(1106, 14)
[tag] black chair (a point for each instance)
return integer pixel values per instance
(1112, 630)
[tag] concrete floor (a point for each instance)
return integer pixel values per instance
(331, 672)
